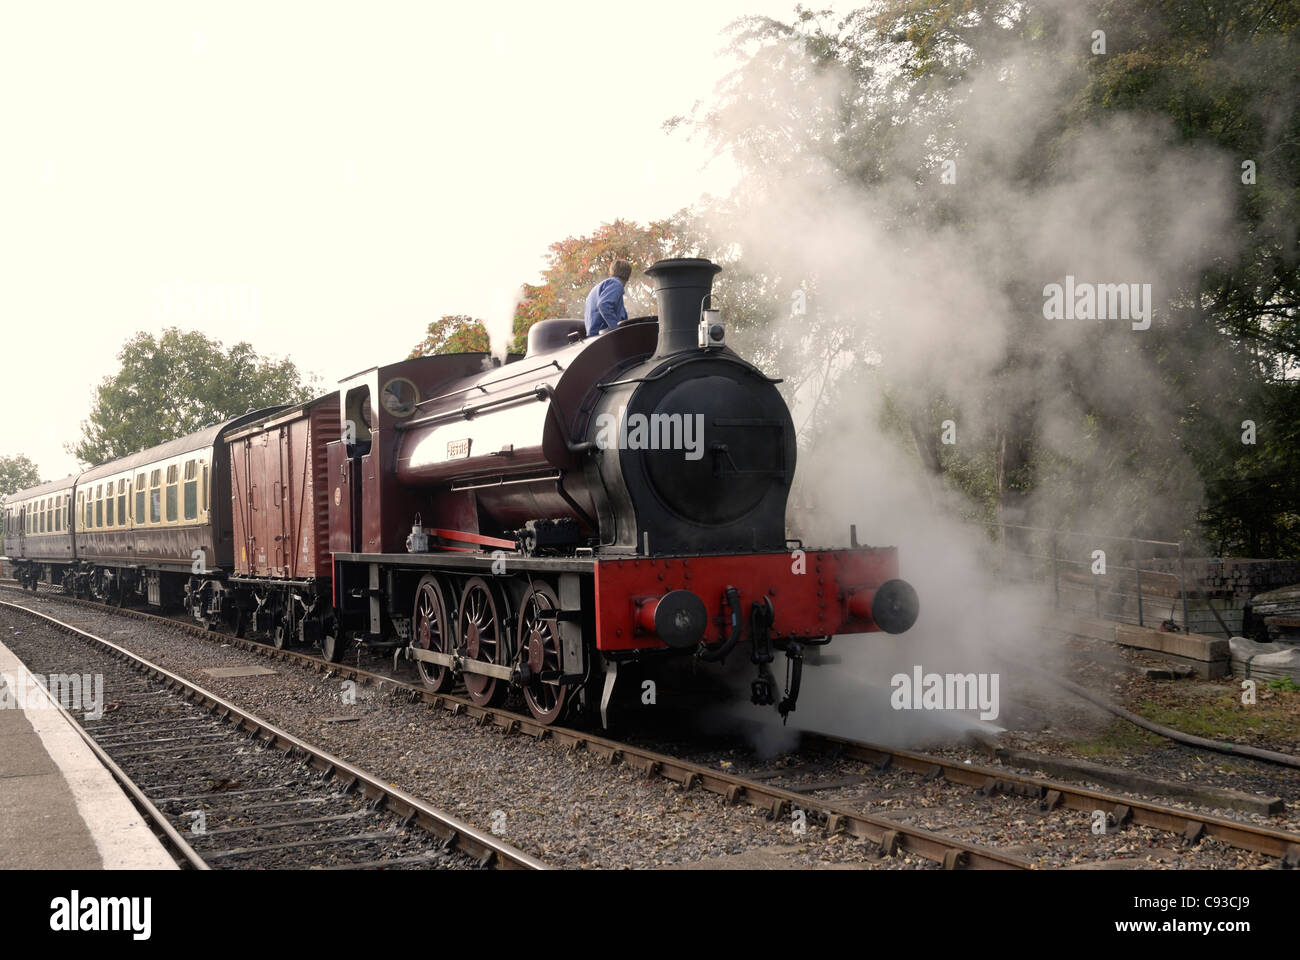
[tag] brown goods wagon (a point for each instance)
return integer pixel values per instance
(280, 488)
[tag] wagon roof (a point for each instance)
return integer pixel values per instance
(194, 441)
(50, 486)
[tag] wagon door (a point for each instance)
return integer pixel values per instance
(261, 507)
(284, 534)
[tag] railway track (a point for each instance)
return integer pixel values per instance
(893, 835)
(226, 789)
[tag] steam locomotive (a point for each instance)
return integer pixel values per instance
(596, 504)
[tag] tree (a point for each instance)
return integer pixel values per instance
(866, 108)
(576, 264)
(453, 334)
(17, 473)
(177, 384)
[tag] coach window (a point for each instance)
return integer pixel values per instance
(122, 495)
(139, 498)
(171, 497)
(109, 512)
(204, 487)
(155, 496)
(99, 506)
(58, 513)
(190, 494)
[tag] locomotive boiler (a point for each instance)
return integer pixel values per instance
(625, 495)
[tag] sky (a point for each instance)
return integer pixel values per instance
(319, 179)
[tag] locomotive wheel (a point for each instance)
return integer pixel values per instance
(483, 637)
(431, 630)
(538, 643)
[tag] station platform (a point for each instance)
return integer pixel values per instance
(60, 808)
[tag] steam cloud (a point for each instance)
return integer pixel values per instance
(945, 308)
(500, 323)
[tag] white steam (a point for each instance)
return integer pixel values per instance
(500, 323)
(957, 310)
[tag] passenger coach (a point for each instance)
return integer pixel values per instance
(140, 526)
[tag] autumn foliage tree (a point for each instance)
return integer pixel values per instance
(456, 333)
(576, 264)
(573, 266)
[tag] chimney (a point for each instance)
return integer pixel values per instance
(680, 287)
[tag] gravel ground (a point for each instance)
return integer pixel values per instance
(574, 810)
(568, 809)
(1060, 724)
(180, 755)
(1010, 823)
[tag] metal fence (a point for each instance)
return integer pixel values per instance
(1126, 579)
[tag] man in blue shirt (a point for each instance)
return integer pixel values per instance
(604, 309)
